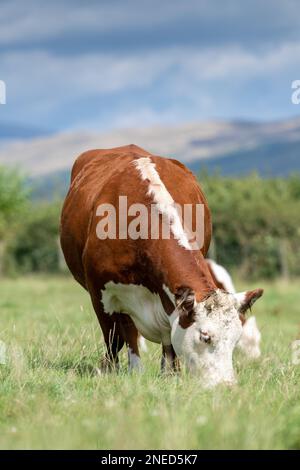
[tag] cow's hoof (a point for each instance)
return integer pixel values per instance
(106, 366)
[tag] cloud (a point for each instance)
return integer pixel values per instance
(19, 24)
(72, 64)
(40, 71)
(131, 24)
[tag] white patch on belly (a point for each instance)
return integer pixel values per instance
(162, 198)
(144, 307)
(142, 344)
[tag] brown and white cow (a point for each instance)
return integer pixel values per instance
(249, 341)
(160, 287)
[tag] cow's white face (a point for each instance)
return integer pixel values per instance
(205, 334)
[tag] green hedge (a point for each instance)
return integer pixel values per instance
(34, 246)
(256, 226)
(256, 223)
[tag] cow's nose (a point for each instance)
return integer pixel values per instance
(229, 383)
(226, 382)
(255, 353)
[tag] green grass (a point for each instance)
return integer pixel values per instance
(49, 398)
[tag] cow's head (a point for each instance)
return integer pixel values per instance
(204, 334)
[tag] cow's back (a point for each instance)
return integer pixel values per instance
(100, 177)
(91, 173)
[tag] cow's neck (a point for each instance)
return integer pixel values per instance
(184, 268)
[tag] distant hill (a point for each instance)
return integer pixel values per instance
(269, 160)
(232, 148)
(275, 159)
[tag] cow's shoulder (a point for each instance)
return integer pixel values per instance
(96, 155)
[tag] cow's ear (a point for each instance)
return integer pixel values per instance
(185, 302)
(246, 299)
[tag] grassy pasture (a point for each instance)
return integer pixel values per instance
(50, 399)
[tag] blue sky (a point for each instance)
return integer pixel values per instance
(108, 64)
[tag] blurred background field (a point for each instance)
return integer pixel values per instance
(50, 397)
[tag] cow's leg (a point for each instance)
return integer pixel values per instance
(169, 360)
(110, 326)
(130, 335)
(113, 339)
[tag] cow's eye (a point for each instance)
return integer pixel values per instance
(205, 337)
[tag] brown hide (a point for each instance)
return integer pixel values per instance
(101, 176)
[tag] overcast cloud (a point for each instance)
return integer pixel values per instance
(103, 64)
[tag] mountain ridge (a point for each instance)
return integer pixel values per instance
(230, 147)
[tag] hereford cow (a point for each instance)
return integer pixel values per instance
(249, 341)
(160, 286)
